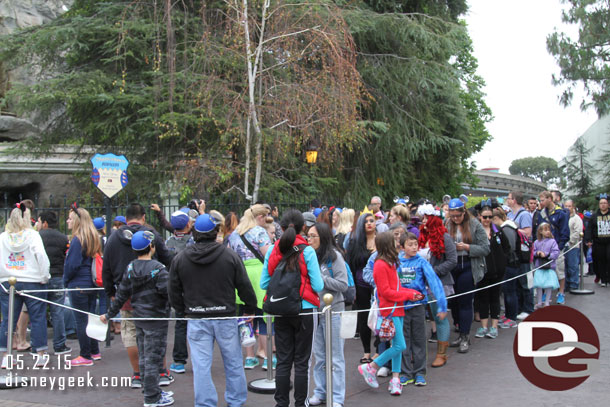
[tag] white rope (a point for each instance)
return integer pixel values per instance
(25, 294)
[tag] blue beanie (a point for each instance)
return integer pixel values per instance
(179, 220)
(205, 223)
(120, 219)
(456, 203)
(99, 223)
(142, 239)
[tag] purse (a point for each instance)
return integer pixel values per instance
(373, 312)
(385, 328)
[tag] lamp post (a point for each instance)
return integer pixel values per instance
(311, 154)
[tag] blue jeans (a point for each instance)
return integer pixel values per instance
(395, 352)
(36, 309)
(442, 325)
(511, 301)
(572, 259)
(524, 294)
(319, 369)
(57, 313)
(84, 301)
(69, 322)
(201, 336)
(464, 309)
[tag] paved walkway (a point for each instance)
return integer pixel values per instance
(486, 376)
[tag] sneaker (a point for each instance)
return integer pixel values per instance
(508, 323)
(493, 333)
(543, 297)
(274, 363)
(163, 401)
(404, 380)
(383, 372)
(177, 368)
(165, 379)
(433, 337)
(395, 387)
(167, 393)
(420, 380)
(42, 360)
(96, 356)
(80, 361)
(481, 332)
(136, 381)
(561, 299)
(523, 315)
(251, 363)
(464, 345)
(316, 401)
(502, 318)
(601, 285)
(369, 375)
(63, 350)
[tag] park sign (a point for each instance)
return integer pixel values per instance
(109, 173)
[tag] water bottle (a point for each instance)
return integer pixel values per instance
(246, 333)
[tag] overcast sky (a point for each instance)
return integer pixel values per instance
(509, 40)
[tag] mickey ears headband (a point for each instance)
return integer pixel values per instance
(487, 203)
(602, 196)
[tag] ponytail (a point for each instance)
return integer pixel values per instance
(292, 223)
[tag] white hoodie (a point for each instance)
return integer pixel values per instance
(22, 255)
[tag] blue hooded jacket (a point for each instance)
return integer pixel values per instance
(416, 273)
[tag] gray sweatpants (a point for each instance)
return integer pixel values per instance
(414, 330)
(151, 348)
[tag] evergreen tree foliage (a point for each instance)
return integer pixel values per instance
(580, 173)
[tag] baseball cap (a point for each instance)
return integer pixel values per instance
(99, 223)
(142, 239)
(310, 219)
(179, 220)
(317, 211)
(120, 219)
(205, 223)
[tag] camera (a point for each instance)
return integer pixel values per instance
(193, 204)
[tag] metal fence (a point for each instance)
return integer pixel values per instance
(61, 206)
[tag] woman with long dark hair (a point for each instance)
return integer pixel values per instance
(472, 246)
(294, 334)
(437, 246)
(334, 274)
(361, 246)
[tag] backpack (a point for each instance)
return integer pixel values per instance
(96, 270)
(349, 295)
(524, 248)
(284, 293)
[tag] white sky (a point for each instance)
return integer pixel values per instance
(509, 39)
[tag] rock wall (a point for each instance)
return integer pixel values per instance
(16, 14)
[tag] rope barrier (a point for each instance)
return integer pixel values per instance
(25, 293)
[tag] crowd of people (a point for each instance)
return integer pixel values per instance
(414, 262)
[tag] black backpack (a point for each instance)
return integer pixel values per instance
(284, 294)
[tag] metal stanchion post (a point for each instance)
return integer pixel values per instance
(11, 381)
(581, 284)
(328, 338)
(266, 385)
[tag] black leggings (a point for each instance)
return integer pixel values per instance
(601, 261)
(363, 301)
(489, 299)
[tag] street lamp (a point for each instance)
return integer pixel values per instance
(311, 154)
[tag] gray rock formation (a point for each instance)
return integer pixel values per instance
(15, 129)
(16, 14)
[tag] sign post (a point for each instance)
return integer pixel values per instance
(110, 176)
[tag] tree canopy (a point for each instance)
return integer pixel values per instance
(543, 169)
(584, 60)
(387, 90)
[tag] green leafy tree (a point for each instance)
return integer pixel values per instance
(584, 60)
(580, 172)
(543, 169)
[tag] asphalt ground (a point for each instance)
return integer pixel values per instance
(486, 376)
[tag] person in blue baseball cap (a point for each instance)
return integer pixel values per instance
(99, 223)
(118, 221)
(203, 280)
(145, 283)
(472, 246)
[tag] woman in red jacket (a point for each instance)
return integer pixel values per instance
(391, 294)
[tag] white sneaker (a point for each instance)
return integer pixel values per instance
(42, 360)
(523, 315)
(315, 401)
(5, 362)
(383, 372)
(395, 387)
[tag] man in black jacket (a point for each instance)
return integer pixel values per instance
(117, 256)
(202, 283)
(56, 245)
